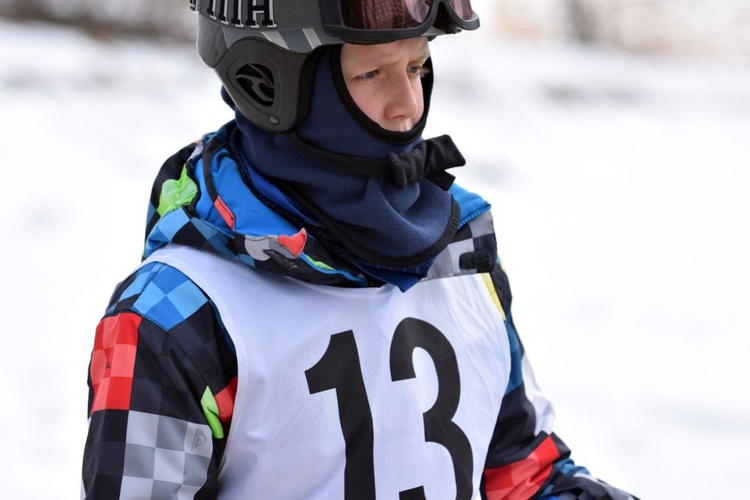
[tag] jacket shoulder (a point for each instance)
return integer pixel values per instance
(159, 293)
(184, 314)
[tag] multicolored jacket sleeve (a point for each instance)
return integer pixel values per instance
(525, 459)
(161, 390)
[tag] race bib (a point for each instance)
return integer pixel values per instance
(355, 393)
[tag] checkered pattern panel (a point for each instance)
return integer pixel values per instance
(180, 333)
(160, 446)
(476, 236)
(168, 297)
(104, 453)
(203, 339)
(113, 362)
(139, 281)
(212, 238)
(165, 379)
(522, 479)
(167, 227)
(164, 457)
(179, 226)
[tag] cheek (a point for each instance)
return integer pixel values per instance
(419, 97)
(366, 100)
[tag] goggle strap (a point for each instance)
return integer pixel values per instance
(230, 12)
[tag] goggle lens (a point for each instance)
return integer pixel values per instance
(394, 14)
(462, 8)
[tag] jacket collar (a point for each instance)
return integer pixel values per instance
(205, 197)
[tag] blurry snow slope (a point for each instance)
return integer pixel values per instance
(620, 188)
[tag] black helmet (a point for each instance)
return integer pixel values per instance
(259, 48)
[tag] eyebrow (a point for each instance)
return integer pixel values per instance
(425, 53)
(367, 60)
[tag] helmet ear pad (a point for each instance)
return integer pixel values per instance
(265, 82)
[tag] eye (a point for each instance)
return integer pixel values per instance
(368, 75)
(419, 70)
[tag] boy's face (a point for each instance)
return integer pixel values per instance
(384, 81)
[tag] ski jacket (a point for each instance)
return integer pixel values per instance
(244, 359)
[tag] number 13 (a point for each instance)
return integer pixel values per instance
(340, 369)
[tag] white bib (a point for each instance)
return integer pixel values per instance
(355, 393)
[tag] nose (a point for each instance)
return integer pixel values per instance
(404, 101)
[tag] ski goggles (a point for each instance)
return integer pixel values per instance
(382, 21)
(356, 21)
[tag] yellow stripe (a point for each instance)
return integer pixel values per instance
(493, 293)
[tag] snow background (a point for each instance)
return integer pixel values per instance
(620, 185)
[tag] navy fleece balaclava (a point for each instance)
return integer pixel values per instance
(370, 188)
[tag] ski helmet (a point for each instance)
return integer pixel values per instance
(260, 48)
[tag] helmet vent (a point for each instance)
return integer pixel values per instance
(257, 81)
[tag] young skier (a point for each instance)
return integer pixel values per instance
(320, 312)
